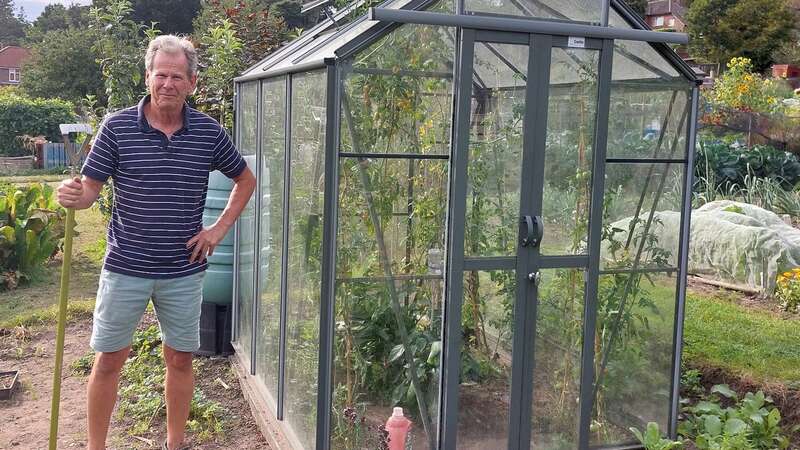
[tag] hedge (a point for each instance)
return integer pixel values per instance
(21, 115)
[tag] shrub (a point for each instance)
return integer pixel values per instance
(787, 290)
(741, 88)
(31, 227)
(20, 115)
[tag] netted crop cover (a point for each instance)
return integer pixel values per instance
(731, 241)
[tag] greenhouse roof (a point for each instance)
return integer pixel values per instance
(350, 31)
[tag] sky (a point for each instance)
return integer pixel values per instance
(35, 7)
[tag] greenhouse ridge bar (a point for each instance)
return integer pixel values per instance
(477, 210)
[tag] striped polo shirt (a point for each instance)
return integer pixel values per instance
(160, 188)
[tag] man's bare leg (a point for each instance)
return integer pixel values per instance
(178, 391)
(102, 394)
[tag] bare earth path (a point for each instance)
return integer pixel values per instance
(26, 417)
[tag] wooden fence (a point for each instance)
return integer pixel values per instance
(11, 165)
(53, 155)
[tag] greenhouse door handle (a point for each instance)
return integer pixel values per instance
(532, 231)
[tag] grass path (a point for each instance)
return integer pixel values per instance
(753, 344)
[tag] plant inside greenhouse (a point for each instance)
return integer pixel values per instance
(474, 211)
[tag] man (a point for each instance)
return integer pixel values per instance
(159, 155)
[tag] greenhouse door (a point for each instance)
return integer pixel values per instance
(524, 228)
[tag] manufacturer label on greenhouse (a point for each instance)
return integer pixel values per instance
(576, 42)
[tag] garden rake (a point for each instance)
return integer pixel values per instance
(74, 154)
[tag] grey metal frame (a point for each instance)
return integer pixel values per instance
(683, 266)
(287, 174)
(328, 264)
(257, 233)
(542, 36)
(454, 264)
(528, 259)
(235, 268)
(523, 26)
(595, 236)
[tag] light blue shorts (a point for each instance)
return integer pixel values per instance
(122, 299)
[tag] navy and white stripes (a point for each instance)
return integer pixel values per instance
(160, 188)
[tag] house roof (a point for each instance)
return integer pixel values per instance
(329, 40)
(13, 56)
(663, 7)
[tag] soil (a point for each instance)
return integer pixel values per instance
(27, 415)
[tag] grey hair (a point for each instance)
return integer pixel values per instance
(169, 43)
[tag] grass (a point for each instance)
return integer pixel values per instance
(721, 333)
(76, 309)
(35, 175)
(747, 342)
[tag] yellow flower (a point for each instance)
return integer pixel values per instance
(787, 274)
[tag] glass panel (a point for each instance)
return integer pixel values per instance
(647, 120)
(399, 94)
(557, 359)
(572, 10)
(487, 321)
(273, 145)
(305, 252)
(571, 121)
(373, 359)
(403, 37)
(495, 149)
(633, 359)
(408, 200)
(248, 123)
(637, 59)
(633, 192)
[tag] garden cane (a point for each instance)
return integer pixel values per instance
(74, 157)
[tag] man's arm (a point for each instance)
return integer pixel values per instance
(207, 239)
(78, 193)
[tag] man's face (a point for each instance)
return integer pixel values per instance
(169, 81)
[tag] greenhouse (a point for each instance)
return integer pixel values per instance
(456, 215)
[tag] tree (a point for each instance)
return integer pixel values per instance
(12, 27)
(120, 47)
(64, 65)
(221, 51)
(260, 29)
(789, 52)
(723, 29)
(58, 17)
(640, 6)
(172, 16)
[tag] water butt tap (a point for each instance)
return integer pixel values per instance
(398, 427)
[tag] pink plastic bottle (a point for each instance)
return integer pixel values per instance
(398, 427)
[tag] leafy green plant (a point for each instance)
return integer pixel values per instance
(731, 165)
(31, 227)
(83, 365)
(652, 440)
(750, 423)
(141, 396)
